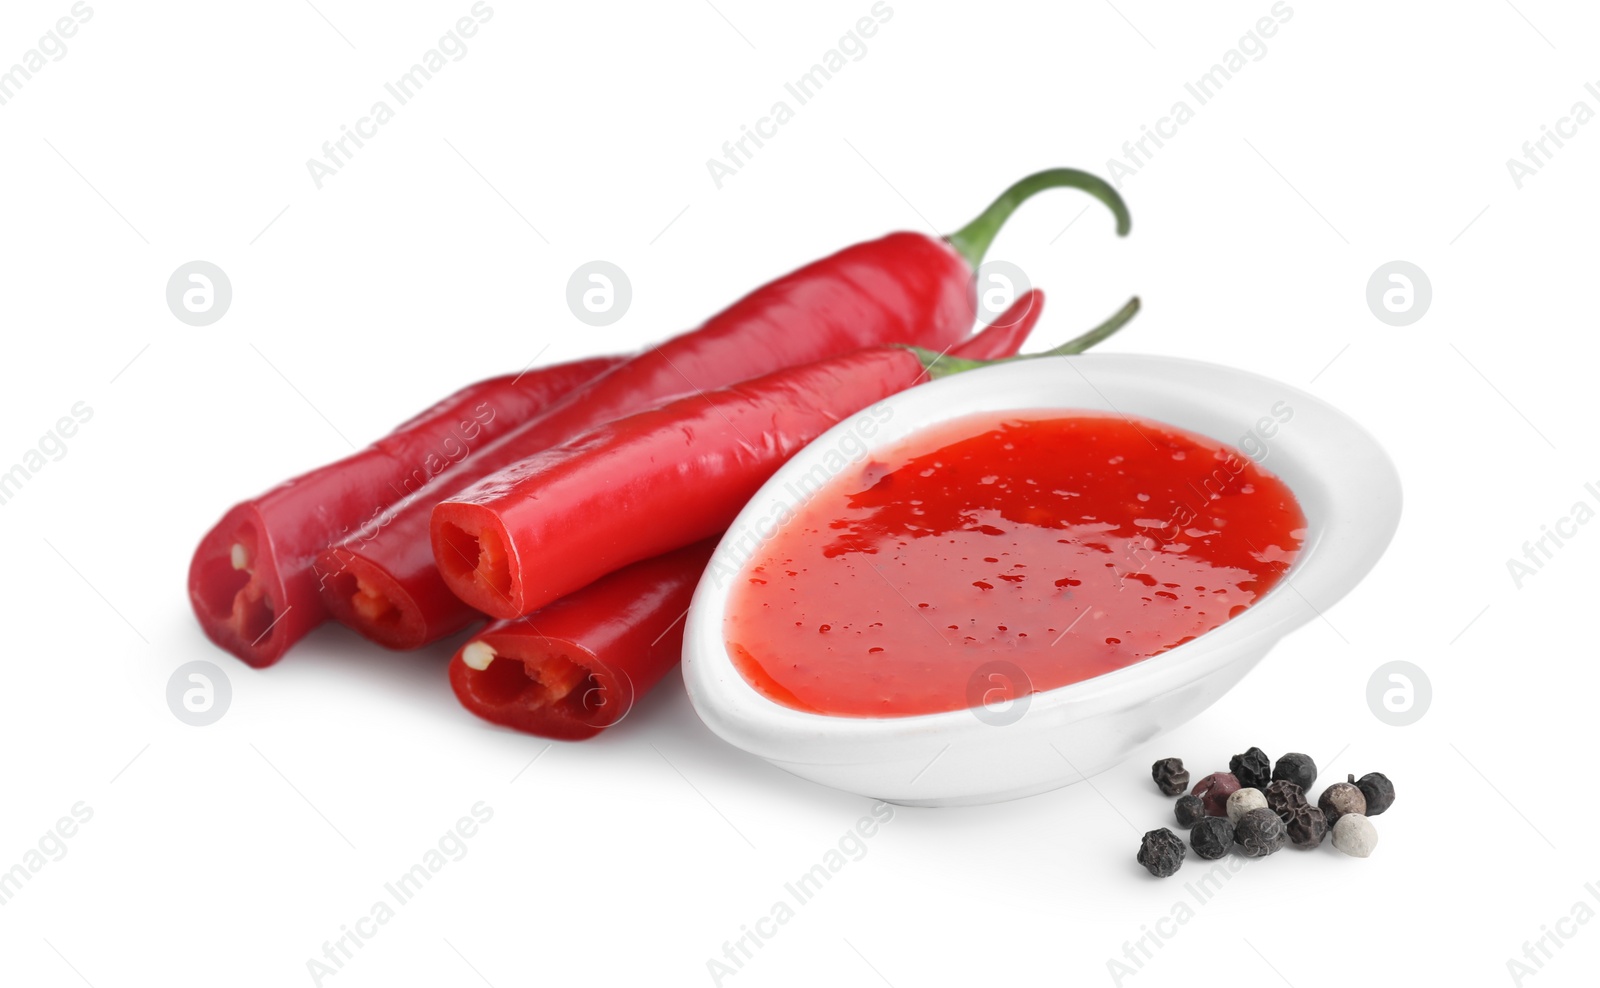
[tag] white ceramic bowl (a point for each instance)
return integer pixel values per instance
(1345, 483)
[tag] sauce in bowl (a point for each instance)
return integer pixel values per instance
(1066, 544)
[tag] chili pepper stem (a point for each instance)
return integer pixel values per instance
(972, 241)
(938, 365)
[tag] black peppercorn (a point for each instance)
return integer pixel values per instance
(1297, 768)
(1170, 775)
(1306, 825)
(1161, 852)
(1283, 798)
(1377, 789)
(1214, 791)
(1259, 833)
(1253, 769)
(1189, 810)
(1212, 837)
(1341, 798)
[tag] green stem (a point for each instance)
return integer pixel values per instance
(972, 241)
(941, 365)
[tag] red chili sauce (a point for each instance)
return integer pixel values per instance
(1068, 545)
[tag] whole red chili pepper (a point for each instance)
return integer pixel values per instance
(660, 479)
(580, 665)
(251, 580)
(1005, 336)
(902, 288)
(405, 604)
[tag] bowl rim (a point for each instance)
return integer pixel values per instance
(1357, 492)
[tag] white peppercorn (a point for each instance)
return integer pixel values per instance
(1242, 801)
(1355, 835)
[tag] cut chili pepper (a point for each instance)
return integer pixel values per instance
(902, 288)
(657, 480)
(251, 580)
(405, 604)
(580, 665)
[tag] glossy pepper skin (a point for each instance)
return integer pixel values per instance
(405, 604)
(654, 481)
(902, 288)
(580, 665)
(251, 580)
(1005, 336)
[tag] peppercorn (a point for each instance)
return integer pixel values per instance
(1253, 769)
(1170, 775)
(1306, 825)
(1161, 852)
(1283, 798)
(1259, 833)
(1189, 810)
(1297, 768)
(1214, 791)
(1242, 801)
(1378, 790)
(1341, 798)
(1355, 835)
(1212, 837)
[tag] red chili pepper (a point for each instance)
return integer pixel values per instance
(580, 665)
(1005, 336)
(403, 603)
(660, 479)
(903, 288)
(251, 580)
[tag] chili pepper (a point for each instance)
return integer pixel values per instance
(1005, 336)
(657, 480)
(578, 666)
(389, 589)
(251, 580)
(902, 288)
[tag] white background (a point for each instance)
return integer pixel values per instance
(228, 854)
